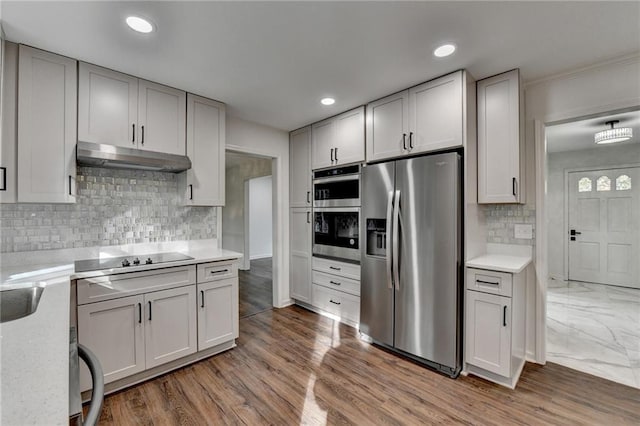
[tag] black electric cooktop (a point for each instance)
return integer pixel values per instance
(88, 265)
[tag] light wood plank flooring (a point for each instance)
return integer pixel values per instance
(255, 287)
(294, 367)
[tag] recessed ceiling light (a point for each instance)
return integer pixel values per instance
(139, 24)
(327, 101)
(444, 50)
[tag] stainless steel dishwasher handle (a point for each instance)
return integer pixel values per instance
(97, 388)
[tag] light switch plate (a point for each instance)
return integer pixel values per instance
(523, 231)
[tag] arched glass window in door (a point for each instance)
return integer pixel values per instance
(584, 185)
(623, 183)
(603, 184)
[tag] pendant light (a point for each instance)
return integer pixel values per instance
(613, 135)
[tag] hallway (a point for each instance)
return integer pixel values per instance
(256, 287)
(595, 328)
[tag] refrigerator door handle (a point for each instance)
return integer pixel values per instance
(396, 237)
(388, 249)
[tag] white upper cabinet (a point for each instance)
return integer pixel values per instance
(107, 106)
(338, 140)
(122, 110)
(388, 126)
(205, 148)
(161, 117)
(428, 117)
(9, 125)
(300, 168)
(47, 127)
(436, 114)
(500, 139)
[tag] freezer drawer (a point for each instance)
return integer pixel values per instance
(346, 306)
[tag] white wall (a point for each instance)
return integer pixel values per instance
(603, 156)
(591, 90)
(248, 137)
(260, 218)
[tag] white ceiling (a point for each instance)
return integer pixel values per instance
(272, 62)
(578, 135)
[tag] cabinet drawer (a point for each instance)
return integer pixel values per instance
(215, 271)
(346, 306)
(334, 267)
(337, 283)
(109, 287)
(492, 282)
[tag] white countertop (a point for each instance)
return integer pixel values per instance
(500, 262)
(34, 356)
(34, 362)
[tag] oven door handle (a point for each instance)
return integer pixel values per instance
(332, 179)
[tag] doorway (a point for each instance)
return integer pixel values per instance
(593, 235)
(247, 219)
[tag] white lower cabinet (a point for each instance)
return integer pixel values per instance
(495, 325)
(217, 312)
(170, 325)
(114, 331)
(488, 334)
(335, 289)
(137, 322)
(300, 254)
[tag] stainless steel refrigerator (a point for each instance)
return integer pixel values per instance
(411, 292)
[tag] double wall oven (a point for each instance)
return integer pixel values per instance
(336, 213)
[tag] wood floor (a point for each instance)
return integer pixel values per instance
(256, 286)
(294, 367)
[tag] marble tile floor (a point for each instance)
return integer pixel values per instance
(595, 328)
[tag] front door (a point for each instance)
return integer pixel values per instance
(604, 222)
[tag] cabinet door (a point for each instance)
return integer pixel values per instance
(388, 127)
(9, 125)
(162, 118)
(170, 325)
(300, 260)
(349, 138)
(114, 331)
(499, 139)
(205, 148)
(300, 168)
(107, 106)
(217, 312)
(47, 127)
(488, 332)
(323, 136)
(435, 114)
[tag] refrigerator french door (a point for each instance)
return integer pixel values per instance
(411, 282)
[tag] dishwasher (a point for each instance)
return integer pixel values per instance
(77, 352)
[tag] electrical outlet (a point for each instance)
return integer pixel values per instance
(523, 231)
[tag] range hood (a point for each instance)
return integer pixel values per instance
(118, 157)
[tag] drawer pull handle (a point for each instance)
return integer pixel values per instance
(335, 303)
(335, 282)
(334, 268)
(487, 282)
(222, 271)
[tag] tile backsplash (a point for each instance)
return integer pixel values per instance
(502, 218)
(113, 207)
